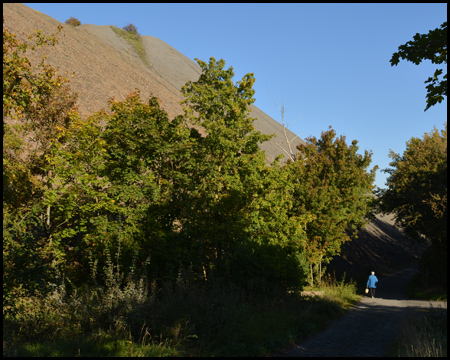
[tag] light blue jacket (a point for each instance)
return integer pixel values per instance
(372, 282)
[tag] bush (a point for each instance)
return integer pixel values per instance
(130, 28)
(72, 21)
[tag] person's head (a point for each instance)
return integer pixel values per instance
(373, 272)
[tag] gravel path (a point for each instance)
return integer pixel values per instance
(367, 328)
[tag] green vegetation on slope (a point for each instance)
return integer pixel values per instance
(135, 39)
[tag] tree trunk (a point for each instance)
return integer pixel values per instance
(48, 225)
(320, 271)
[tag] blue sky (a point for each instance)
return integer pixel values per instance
(327, 63)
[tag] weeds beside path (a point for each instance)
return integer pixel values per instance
(369, 327)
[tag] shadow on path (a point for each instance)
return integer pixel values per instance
(368, 327)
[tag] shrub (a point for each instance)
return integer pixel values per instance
(130, 28)
(72, 21)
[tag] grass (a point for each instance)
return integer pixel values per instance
(343, 294)
(135, 40)
(88, 346)
(195, 321)
(424, 332)
(133, 317)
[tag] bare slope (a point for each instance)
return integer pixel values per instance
(380, 247)
(106, 66)
(177, 69)
(101, 70)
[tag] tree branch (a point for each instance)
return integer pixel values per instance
(289, 142)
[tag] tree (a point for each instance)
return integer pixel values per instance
(73, 21)
(431, 46)
(332, 184)
(274, 250)
(220, 107)
(292, 153)
(417, 193)
(112, 185)
(148, 158)
(40, 101)
(36, 101)
(130, 28)
(228, 203)
(76, 195)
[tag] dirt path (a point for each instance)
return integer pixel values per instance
(368, 327)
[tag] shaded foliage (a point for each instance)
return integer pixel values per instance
(417, 195)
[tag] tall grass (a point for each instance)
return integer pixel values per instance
(118, 315)
(424, 334)
(344, 294)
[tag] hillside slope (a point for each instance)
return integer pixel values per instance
(101, 70)
(379, 247)
(106, 66)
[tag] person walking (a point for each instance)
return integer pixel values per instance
(372, 284)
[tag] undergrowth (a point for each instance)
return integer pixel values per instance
(118, 315)
(338, 291)
(419, 289)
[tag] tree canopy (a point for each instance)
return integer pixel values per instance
(331, 182)
(417, 192)
(37, 105)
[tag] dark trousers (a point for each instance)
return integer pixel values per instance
(372, 292)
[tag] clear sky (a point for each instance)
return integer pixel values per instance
(327, 63)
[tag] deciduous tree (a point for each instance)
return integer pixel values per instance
(235, 213)
(331, 183)
(36, 101)
(417, 193)
(148, 165)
